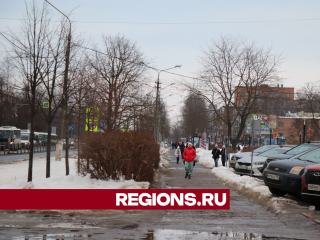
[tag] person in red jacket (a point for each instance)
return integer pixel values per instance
(189, 155)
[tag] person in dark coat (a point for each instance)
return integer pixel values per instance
(182, 147)
(223, 156)
(216, 155)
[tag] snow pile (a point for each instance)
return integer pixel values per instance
(164, 163)
(205, 158)
(242, 183)
(251, 187)
(14, 176)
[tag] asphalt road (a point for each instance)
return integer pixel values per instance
(14, 157)
(245, 220)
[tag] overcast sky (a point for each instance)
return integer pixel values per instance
(296, 37)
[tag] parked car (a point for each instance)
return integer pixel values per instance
(257, 151)
(292, 153)
(243, 165)
(311, 182)
(284, 176)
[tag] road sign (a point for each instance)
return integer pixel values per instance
(71, 128)
(45, 104)
(297, 138)
(101, 125)
(253, 127)
(92, 125)
(258, 139)
(275, 135)
(125, 128)
(310, 132)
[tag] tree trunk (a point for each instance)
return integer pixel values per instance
(49, 146)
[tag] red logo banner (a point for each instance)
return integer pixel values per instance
(115, 199)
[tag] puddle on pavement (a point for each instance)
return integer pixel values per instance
(160, 234)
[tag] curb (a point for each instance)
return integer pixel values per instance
(311, 217)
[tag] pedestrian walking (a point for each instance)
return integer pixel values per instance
(189, 155)
(178, 153)
(223, 156)
(216, 154)
(182, 148)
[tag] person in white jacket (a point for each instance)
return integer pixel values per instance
(178, 153)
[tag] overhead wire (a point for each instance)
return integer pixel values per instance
(186, 23)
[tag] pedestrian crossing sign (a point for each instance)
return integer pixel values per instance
(45, 104)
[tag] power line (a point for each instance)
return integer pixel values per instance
(189, 23)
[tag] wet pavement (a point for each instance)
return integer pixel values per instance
(245, 220)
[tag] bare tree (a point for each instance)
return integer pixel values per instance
(117, 78)
(231, 66)
(195, 115)
(309, 100)
(28, 51)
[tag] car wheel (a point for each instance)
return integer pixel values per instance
(277, 191)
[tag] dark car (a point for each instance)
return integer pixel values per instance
(285, 176)
(311, 182)
(303, 148)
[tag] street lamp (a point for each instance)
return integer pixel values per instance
(157, 117)
(59, 146)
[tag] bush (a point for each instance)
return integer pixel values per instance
(112, 155)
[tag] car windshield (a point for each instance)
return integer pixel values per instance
(71, 140)
(6, 134)
(24, 136)
(262, 149)
(313, 156)
(301, 148)
(272, 152)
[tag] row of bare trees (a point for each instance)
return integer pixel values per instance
(109, 78)
(234, 81)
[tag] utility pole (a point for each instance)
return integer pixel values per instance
(156, 130)
(304, 130)
(156, 117)
(64, 112)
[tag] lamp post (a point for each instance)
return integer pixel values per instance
(59, 146)
(156, 116)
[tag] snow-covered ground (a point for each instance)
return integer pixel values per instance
(227, 175)
(14, 176)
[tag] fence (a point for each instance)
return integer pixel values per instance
(18, 148)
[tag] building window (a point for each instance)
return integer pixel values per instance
(236, 124)
(246, 93)
(282, 94)
(235, 132)
(241, 93)
(280, 124)
(288, 94)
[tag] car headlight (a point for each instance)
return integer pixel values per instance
(296, 170)
(258, 163)
(305, 172)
